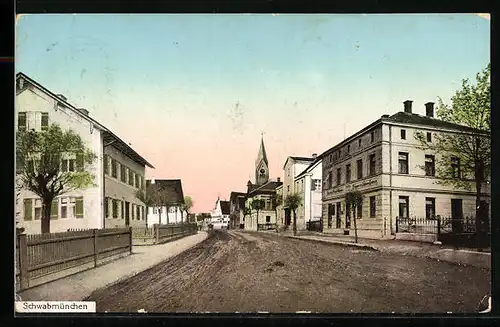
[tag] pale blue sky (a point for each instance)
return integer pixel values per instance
(169, 84)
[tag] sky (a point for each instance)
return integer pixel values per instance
(194, 93)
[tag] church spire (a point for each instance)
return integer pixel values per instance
(262, 156)
(261, 165)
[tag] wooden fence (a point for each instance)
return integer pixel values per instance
(43, 255)
(162, 233)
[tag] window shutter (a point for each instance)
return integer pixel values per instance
(45, 121)
(79, 207)
(106, 164)
(53, 210)
(28, 214)
(21, 121)
(79, 162)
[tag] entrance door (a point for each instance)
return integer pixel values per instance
(338, 220)
(127, 213)
(331, 209)
(457, 215)
(347, 217)
(288, 217)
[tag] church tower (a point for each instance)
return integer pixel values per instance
(261, 165)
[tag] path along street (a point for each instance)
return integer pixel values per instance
(249, 272)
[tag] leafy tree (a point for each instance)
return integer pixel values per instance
(247, 211)
(147, 196)
(293, 201)
(470, 107)
(258, 204)
(188, 204)
(39, 161)
(353, 200)
(278, 200)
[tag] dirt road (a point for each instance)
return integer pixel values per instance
(242, 272)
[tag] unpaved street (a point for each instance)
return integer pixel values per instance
(243, 272)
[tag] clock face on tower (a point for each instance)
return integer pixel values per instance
(262, 171)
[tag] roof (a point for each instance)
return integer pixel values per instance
(225, 207)
(266, 188)
(262, 153)
(109, 137)
(297, 159)
(173, 187)
(407, 118)
(235, 195)
(310, 167)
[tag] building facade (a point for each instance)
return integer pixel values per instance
(308, 184)
(237, 204)
(36, 109)
(171, 214)
(394, 173)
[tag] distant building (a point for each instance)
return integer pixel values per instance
(395, 175)
(221, 211)
(172, 214)
(237, 204)
(119, 170)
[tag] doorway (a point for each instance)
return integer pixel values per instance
(457, 215)
(347, 217)
(288, 217)
(338, 220)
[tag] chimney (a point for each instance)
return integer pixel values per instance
(314, 155)
(62, 97)
(407, 104)
(429, 109)
(279, 179)
(385, 116)
(83, 111)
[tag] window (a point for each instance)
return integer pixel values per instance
(115, 208)
(45, 121)
(372, 164)
(123, 173)
(403, 162)
(288, 188)
(359, 210)
(38, 209)
(122, 207)
(138, 212)
(142, 181)
(68, 165)
(64, 207)
(348, 173)
(329, 180)
(349, 148)
(114, 168)
(429, 165)
(404, 206)
(21, 121)
(359, 169)
(268, 219)
(430, 208)
(339, 176)
(131, 177)
(372, 137)
(106, 209)
(429, 137)
(28, 214)
(359, 143)
(316, 185)
(373, 207)
(403, 134)
(455, 167)
(137, 181)
(78, 207)
(106, 164)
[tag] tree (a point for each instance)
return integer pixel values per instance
(293, 201)
(51, 163)
(258, 204)
(470, 149)
(247, 211)
(188, 204)
(353, 201)
(147, 196)
(278, 200)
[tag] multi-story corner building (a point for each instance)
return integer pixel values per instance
(394, 173)
(308, 185)
(171, 214)
(292, 168)
(119, 170)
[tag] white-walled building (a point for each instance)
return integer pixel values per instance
(36, 109)
(222, 210)
(308, 185)
(173, 214)
(395, 175)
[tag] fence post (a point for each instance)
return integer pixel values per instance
(94, 232)
(438, 225)
(156, 230)
(397, 221)
(23, 262)
(130, 238)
